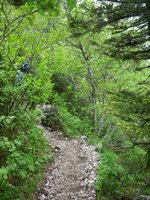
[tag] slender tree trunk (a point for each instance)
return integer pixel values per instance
(148, 160)
(102, 115)
(93, 95)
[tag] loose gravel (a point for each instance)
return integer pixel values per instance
(73, 173)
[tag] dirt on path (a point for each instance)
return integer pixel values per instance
(73, 172)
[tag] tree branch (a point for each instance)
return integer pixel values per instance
(142, 143)
(20, 18)
(141, 68)
(3, 10)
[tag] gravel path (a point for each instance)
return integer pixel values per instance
(73, 173)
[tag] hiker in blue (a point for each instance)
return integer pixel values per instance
(24, 70)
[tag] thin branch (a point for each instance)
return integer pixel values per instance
(145, 81)
(144, 197)
(142, 143)
(3, 10)
(83, 52)
(72, 44)
(20, 18)
(12, 30)
(141, 68)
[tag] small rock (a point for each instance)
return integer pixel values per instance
(73, 173)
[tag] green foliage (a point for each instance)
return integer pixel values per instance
(115, 94)
(124, 20)
(71, 124)
(119, 177)
(95, 95)
(24, 152)
(43, 6)
(112, 171)
(71, 4)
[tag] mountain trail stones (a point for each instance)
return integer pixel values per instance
(73, 173)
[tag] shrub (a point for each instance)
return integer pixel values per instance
(23, 156)
(119, 175)
(23, 148)
(72, 124)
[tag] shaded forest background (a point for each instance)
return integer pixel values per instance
(90, 60)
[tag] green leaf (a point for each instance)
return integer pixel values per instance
(31, 167)
(30, 19)
(45, 1)
(71, 4)
(2, 118)
(29, 2)
(3, 173)
(23, 173)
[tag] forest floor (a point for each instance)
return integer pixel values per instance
(73, 173)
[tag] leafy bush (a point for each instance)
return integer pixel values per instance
(23, 156)
(111, 177)
(119, 175)
(23, 149)
(72, 124)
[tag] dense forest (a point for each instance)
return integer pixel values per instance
(90, 60)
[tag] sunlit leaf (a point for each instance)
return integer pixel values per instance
(71, 4)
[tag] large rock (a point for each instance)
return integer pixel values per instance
(51, 117)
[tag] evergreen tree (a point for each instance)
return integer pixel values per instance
(130, 22)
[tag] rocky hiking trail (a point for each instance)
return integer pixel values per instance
(73, 173)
